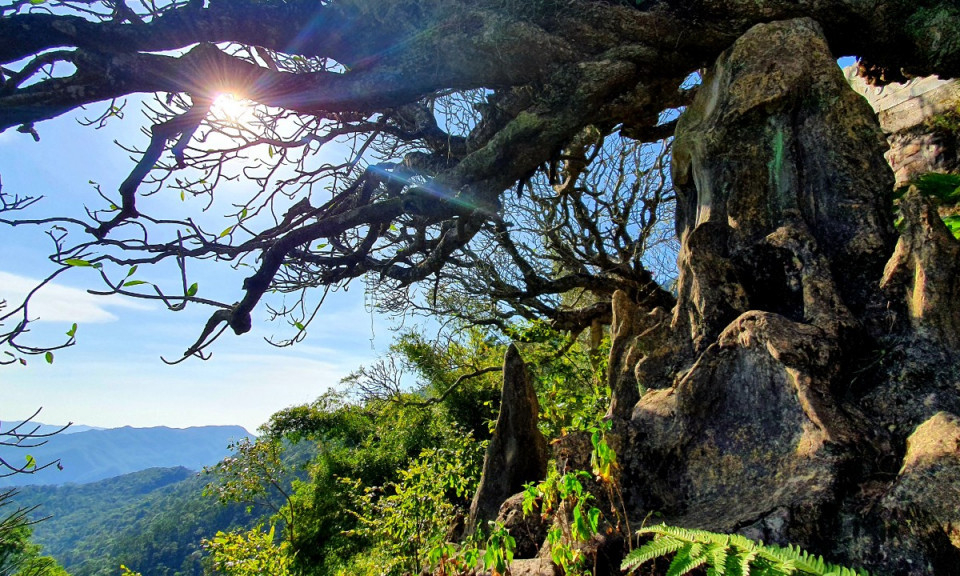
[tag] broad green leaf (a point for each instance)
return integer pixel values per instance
(76, 262)
(593, 517)
(129, 283)
(37, 2)
(132, 271)
(300, 326)
(226, 231)
(192, 290)
(48, 357)
(31, 462)
(243, 214)
(72, 331)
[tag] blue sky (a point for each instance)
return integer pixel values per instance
(114, 375)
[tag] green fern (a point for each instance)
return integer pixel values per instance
(727, 555)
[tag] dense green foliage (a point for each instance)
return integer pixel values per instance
(377, 478)
(398, 458)
(153, 521)
(19, 555)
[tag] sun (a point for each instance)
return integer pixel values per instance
(232, 108)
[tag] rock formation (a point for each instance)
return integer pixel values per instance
(905, 112)
(517, 452)
(779, 424)
(805, 389)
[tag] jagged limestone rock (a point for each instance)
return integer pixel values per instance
(904, 111)
(930, 476)
(751, 429)
(913, 527)
(925, 270)
(528, 530)
(785, 223)
(642, 354)
(775, 401)
(915, 372)
(776, 136)
(517, 452)
(624, 389)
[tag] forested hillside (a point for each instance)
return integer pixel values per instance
(152, 520)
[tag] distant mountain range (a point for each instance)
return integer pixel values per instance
(88, 454)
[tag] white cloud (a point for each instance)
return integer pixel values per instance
(57, 303)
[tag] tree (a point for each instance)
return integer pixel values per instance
(18, 556)
(440, 112)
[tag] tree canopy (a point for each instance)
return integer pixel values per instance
(506, 157)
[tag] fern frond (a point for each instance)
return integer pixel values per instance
(739, 563)
(716, 560)
(687, 559)
(657, 548)
(688, 534)
(728, 555)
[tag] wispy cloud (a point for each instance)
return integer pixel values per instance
(57, 303)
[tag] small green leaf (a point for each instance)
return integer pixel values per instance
(129, 283)
(243, 214)
(76, 262)
(48, 357)
(192, 290)
(182, 197)
(226, 231)
(72, 331)
(299, 326)
(37, 2)
(322, 246)
(132, 271)
(593, 518)
(270, 150)
(31, 462)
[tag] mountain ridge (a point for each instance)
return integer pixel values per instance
(97, 454)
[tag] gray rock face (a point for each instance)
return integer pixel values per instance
(750, 431)
(776, 138)
(904, 111)
(777, 399)
(930, 476)
(517, 453)
(926, 269)
(786, 229)
(914, 526)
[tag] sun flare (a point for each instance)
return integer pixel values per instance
(230, 107)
